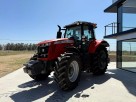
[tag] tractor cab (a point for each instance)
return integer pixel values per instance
(78, 30)
(81, 32)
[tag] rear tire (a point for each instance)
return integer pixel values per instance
(67, 71)
(100, 61)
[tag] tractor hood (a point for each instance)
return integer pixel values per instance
(56, 41)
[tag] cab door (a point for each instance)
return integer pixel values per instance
(87, 37)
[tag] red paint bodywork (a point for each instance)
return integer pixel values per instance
(56, 47)
(94, 45)
(51, 41)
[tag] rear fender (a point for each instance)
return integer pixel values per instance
(97, 43)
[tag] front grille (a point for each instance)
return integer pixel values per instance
(43, 51)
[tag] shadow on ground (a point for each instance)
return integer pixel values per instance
(36, 90)
(50, 91)
(127, 78)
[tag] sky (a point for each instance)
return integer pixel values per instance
(37, 20)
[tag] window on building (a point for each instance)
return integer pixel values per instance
(128, 55)
(129, 15)
(129, 21)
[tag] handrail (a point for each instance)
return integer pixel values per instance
(114, 26)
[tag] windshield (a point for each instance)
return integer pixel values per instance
(73, 32)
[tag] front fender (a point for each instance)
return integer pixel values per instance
(97, 43)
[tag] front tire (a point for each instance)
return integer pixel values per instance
(67, 71)
(40, 77)
(100, 61)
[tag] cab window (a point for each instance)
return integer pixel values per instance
(88, 33)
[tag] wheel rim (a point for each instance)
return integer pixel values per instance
(73, 71)
(103, 59)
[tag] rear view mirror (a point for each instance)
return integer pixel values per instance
(59, 33)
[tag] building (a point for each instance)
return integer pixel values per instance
(124, 31)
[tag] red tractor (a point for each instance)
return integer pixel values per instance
(75, 51)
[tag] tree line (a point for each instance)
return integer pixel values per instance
(17, 46)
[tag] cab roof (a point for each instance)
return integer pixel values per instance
(79, 23)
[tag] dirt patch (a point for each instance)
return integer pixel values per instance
(11, 63)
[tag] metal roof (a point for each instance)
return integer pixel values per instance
(113, 7)
(78, 23)
(129, 6)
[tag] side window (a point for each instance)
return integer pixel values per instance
(87, 33)
(77, 34)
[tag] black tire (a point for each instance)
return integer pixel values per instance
(100, 61)
(40, 77)
(67, 71)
